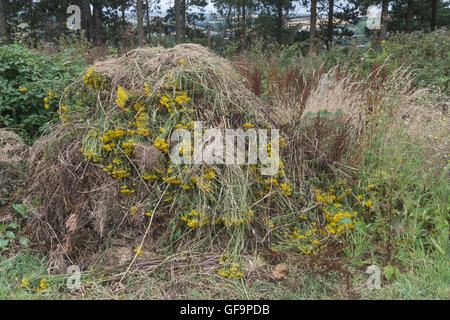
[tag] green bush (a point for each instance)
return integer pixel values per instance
(26, 78)
(427, 53)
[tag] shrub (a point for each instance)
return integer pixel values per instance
(26, 79)
(427, 53)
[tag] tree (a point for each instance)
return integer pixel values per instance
(183, 20)
(225, 9)
(98, 20)
(409, 15)
(384, 19)
(186, 16)
(277, 11)
(178, 20)
(87, 19)
(124, 5)
(185, 6)
(244, 19)
(433, 14)
(330, 22)
(312, 23)
(140, 21)
(3, 28)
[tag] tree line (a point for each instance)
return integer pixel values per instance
(104, 20)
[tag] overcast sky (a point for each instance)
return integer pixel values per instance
(165, 4)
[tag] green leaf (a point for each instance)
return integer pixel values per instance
(345, 220)
(10, 234)
(24, 241)
(4, 243)
(388, 272)
(396, 273)
(13, 225)
(436, 244)
(21, 208)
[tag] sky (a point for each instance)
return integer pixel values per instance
(298, 10)
(165, 4)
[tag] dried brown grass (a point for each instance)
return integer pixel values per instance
(76, 208)
(13, 152)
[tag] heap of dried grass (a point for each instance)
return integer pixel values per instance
(12, 154)
(225, 95)
(76, 207)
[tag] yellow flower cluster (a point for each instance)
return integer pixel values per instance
(116, 172)
(326, 197)
(134, 210)
(184, 125)
(139, 251)
(181, 98)
(112, 134)
(93, 79)
(195, 219)
(285, 188)
(125, 191)
(25, 283)
(231, 271)
(161, 144)
(166, 101)
(47, 100)
(147, 90)
(43, 286)
(173, 179)
(232, 221)
(122, 97)
(202, 183)
(142, 123)
(128, 147)
(109, 147)
(339, 221)
(151, 177)
(171, 103)
(90, 155)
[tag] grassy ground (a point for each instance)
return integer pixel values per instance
(428, 278)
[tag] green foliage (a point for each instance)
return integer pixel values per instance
(10, 233)
(8, 236)
(427, 53)
(26, 77)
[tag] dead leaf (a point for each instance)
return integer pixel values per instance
(279, 271)
(71, 223)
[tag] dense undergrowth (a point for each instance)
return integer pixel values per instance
(27, 78)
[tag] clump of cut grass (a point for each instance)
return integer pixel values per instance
(12, 162)
(97, 182)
